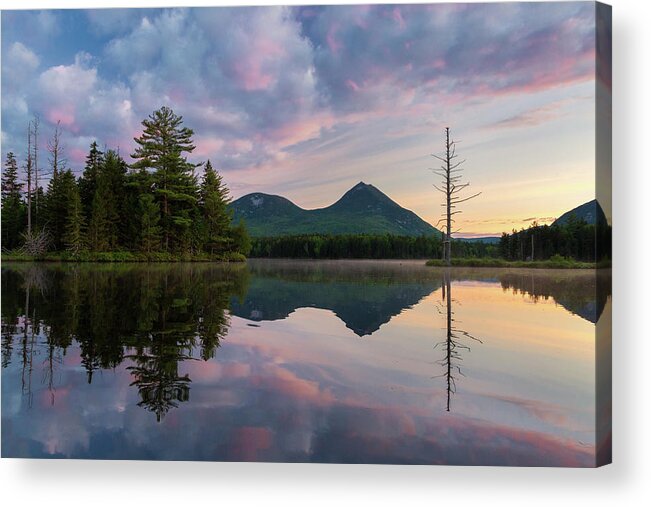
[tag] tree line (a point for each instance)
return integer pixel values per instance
(364, 246)
(156, 204)
(576, 240)
(347, 246)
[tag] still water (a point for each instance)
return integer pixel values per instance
(334, 361)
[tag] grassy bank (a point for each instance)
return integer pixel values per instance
(555, 262)
(122, 257)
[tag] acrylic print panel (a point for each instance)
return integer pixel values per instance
(343, 234)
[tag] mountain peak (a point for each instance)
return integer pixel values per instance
(364, 209)
(591, 212)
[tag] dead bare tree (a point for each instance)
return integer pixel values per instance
(35, 123)
(28, 170)
(56, 151)
(451, 186)
(36, 242)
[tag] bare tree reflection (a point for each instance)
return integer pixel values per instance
(454, 343)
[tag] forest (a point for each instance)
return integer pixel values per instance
(156, 207)
(576, 240)
(364, 246)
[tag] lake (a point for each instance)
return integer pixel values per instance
(302, 361)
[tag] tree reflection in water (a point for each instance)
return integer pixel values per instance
(154, 317)
(454, 343)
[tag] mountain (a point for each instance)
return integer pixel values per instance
(363, 209)
(491, 240)
(590, 211)
(363, 308)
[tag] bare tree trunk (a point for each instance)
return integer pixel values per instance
(451, 185)
(54, 147)
(532, 247)
(35, 131)
(448, 234)
(29, 178)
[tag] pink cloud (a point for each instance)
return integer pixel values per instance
(334, 45)
(396, 14)
(77, 155)
(352, 85)
(248, 441)
(64, 113)
(253, 71)
(250, 76)
(207, 146)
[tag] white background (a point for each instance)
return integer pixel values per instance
(626, 482)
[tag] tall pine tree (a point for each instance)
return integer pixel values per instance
(161, 147)
(105, 216)
(89, 179)
(54, 212)
(73, 237)
(214, 199)
(13, 207)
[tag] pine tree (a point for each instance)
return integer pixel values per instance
(73, 236)
(150, 231)
(240, 239)
(161, 147)
(104, 225)
(214, 199)
(136, 184)
(13, 208)
(55, 210)
(98, 235)
(88, 181)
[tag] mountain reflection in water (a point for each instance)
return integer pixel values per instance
(264, 362)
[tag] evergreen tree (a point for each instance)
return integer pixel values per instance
(136, 183)
(89, 179)
(240, 239)
(55, 210)
(150, 231)
(161, 147)
(98, 227)
(104, 226)
(13, 208)
(73, 236)
(214, 199)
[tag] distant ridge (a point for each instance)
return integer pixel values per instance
(484, 239)
(361, 210)
(590, 211)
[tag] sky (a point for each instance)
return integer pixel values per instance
(305, 102)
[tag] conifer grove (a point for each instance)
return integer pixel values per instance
(160, 206)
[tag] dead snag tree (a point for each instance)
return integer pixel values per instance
(452, 187)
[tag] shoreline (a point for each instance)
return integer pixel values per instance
(122, 257)
(158, 258)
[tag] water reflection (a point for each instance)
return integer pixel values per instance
(264, 362)
(155, 317)
(455, 342)
(361, 295)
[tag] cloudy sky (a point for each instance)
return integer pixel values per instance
(307, 101)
